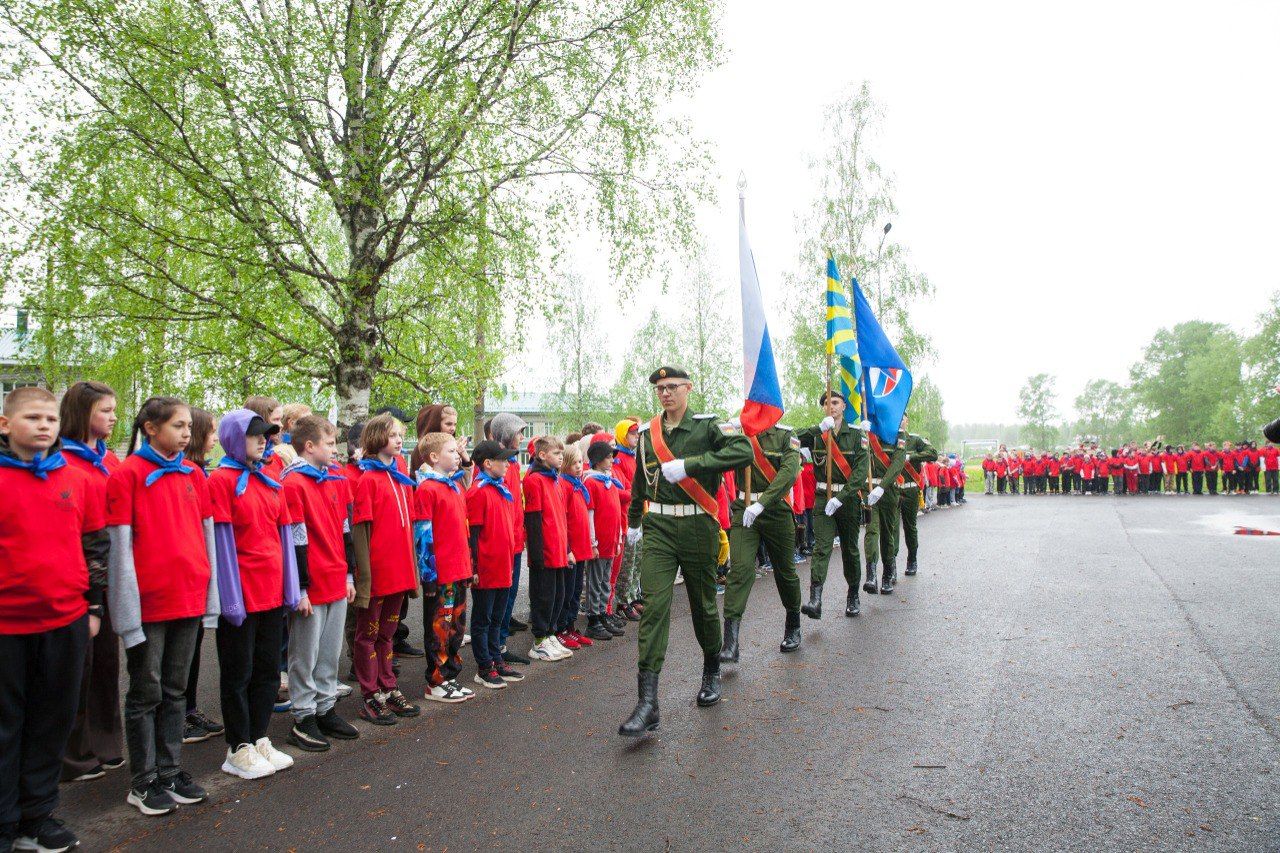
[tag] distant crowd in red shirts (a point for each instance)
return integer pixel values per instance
(1153, 468)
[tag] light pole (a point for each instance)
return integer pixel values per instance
(879, 291)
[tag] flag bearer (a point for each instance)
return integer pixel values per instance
(882, 528)
(918, 451)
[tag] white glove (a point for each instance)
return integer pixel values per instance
(751, 513)
(736, 423)
(865, 426)
(807, 454)
(828, 424)
(876, 494)
(833, 506)
(634, 534)
(674, 470)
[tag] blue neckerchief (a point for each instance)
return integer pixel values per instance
(286, 438)
(578, 487)
(486, 479)
(373, 464)
(93, 455)
(609, 482)
(546, 472)
(306, 469)
(163, 466)
(271, 449)
(242, 482)
(40, 465)
(625, 450)
(451, 481)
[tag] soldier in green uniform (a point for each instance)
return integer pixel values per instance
(837, 504)
(678, 534)
(762, 514)
(918, 451)
(882, 527)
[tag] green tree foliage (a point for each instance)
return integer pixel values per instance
(1106, 412)
(1262, 373)
(326, 195)
(1037, 406)
(1188, 383)
(925, 413)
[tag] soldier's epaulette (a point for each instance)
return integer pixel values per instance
(643, 426)
(704, 416)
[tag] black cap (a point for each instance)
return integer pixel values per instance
(395, 412)
(490, 449)
(353, 434)
(667, 373)
(598, 452)
(257, 426)
(822, 401)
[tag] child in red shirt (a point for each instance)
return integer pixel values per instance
(88, 417)
(605, 519)
(624, 581)
(386, 568)
(204, 438)
(161, 587)
(54, 555)
(547, 531)
(444, 564)
(490, 514)
(581, 547)
(256, 575)
(319, 503)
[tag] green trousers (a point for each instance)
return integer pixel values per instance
(691, 544)
(825, 529)
(776, 527)
(909, 510)
(882, 532)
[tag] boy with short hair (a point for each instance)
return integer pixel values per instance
(52, 522)
(605, 518)
(490, 516)
(547, 532)
(444, 564)
(320, 504)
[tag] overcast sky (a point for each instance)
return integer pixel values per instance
(1071, 177)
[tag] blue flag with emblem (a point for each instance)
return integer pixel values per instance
(886, 381)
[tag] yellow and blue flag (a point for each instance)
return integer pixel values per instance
(842, 343)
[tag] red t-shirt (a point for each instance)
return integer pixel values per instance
(352, 472)
(255, 518)
(169, 554)
(543, 494)
(1208, 460)
(389, 507)
(1271, 457)
(44, 578)
(446, 509)
(109, 459)
(323, 508)
(496, 547)
(624, 466)
(512, 481)
(1228, 458)
(810, 481)
(606, 504)
(1145, 463)
(576, 519)
(1055, 468)
(273, 467)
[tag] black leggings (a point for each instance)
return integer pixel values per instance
(249, 664)
(547, 590)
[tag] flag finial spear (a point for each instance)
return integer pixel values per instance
(742, 184)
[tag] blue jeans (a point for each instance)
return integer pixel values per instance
(505, 630)
(487, 607)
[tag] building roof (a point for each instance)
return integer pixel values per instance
(519, 402)
(11, 348)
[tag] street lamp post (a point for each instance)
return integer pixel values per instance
(879, 290)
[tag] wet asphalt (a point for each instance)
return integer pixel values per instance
(1065, 673)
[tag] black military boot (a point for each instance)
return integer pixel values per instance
(709, 693)
(645, 717)
(729, 650)
(791, 636)
(869, 585)
(852, 606)
(814, 608)
(889, 578)
(911, 566)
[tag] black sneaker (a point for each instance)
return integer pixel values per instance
(507, 673)
(194, 733)
(515, 626)
(97, 771)
(400, 705)
(598, 631)
(305, 735)
(490, 679)
(47, 834)
(152, 799)
(373, 711)
(210, 725)
(509, 656)
(331, 725)
(615, 625)
(181, 788)
(113, 764)
(405, 649)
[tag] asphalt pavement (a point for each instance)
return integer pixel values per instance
(1065, 673)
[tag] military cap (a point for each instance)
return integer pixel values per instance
(822, 401)
(667, 373)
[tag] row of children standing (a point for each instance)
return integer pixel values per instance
(276, 540)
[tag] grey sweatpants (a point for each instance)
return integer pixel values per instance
(597, 583)
(315, 645)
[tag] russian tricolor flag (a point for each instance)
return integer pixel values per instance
(763, 405)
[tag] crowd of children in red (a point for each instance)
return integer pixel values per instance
(1153, 468)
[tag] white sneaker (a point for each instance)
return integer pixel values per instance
(344, 690)
(559, 648)
(542, 651)
(247, 763)
(446, 692)
(462, 688)
(466, 639)
(279, 760)
(679, 578)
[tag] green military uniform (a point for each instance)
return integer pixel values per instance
(775, 526)
(918, 452)
(844, 522)
(882, 527)
(677, 533)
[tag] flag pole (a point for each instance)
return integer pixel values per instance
(742, 215)
(862, 380)
(828, 348)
